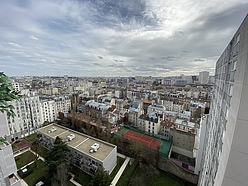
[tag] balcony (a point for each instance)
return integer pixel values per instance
(232, 73)
(3, 143)
(14, 180)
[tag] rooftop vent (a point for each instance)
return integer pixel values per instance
(53, 129)
(94, 147)
(70, 137)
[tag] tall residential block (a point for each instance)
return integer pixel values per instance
(27, 119)
(204, 77)
(8, 176)
(225, 159)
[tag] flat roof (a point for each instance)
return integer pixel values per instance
(81, 142)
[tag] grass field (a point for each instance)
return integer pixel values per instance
(80, 176)
(120, 161)
(24, 159)
(38, 172)
(161, 179)
(127, 174)
(31, 137)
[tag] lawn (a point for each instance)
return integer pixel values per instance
(70, 183)
(40, 150)
(31, 137)
(38, 173)
(127, 174)
(80, 176)
(24, 159)
(162, 179)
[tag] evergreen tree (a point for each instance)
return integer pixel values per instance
(101, 178)
(57, 158)
(6, 94)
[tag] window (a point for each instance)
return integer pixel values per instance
(238, 38)
(227, 113)
(230, 90)
(234, 65)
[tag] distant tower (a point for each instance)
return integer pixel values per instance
(204, 77)
(75, 101)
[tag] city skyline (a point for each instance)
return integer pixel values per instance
(114, 38)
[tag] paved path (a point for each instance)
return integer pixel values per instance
(119, 173)
(21, 152)
(40, 157)
(23, 183)
(121, 155)
(73, 181)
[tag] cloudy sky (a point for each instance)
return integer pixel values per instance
(115, 37)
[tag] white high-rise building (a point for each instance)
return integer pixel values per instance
(204, 77)
(48, 110)
(16, 86)
(8, 176)
(27, 119)
(225, 159)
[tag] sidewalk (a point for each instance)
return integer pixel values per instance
(23, 183)
(73, 181)
(40, 157)
(21, 152)
(119, 173)
(121, 155)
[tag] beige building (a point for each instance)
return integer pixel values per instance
(185, 138)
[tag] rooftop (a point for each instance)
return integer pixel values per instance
(81, 142)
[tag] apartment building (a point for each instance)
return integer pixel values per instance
(135, 111)
(62, 104)
(95, 109)
(28, 117)
(204, 77)
(16, 86)
(48, 110)
(87, 153)
(150, 123)
(156, 108)
(226, 151)
(185, 138)
(8, 176)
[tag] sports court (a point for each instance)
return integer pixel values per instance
(142, 139)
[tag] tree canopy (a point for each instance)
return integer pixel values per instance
(56, 159)
(7, 93)
(101, 178)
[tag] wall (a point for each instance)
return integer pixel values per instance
(168, 166)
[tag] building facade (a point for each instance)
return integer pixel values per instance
(8, 176)
(226, 152)
(28, 117)
(62, 104)
(48, 110)
(204, 77)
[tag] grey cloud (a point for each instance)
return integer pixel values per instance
(131, 40)
(97, 64)
(199, 59)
